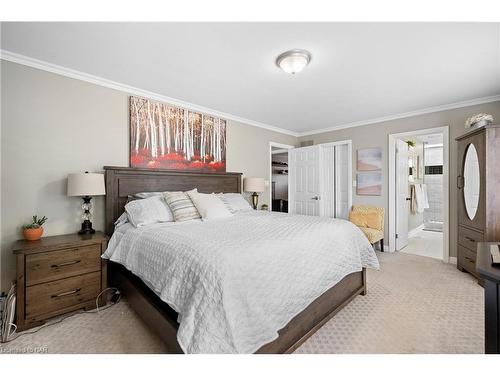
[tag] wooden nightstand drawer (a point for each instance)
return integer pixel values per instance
(43, 267)
(57, 275)
(467, 259)
(47, 299)
(469, 238)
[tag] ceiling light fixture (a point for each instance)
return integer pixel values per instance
(293, 61)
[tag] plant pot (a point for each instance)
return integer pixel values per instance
(33, 234)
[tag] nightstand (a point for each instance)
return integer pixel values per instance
(58, 274)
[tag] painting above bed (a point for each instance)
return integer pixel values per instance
(168, 137)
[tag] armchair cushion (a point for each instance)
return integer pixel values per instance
(374, 221)
(373, 216)
(357, 218)
(373, 235)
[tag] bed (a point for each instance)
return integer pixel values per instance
(257, 282)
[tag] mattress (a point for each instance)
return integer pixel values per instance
(235, 282)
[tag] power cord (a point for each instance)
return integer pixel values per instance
(115, 298)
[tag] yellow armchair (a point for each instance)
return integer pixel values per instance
(370, 219)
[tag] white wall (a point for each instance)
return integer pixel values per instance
(54, 125)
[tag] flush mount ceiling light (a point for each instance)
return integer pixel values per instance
(293, 61)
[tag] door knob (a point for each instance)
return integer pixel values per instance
(316, 198)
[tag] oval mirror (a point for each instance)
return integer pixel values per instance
(471, 181)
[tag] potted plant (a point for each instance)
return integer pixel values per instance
(34, 230)
(410, 143)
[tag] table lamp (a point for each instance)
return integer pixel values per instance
(254, 185)
(86, 185)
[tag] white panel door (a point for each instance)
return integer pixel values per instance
(342, 181)
(328, 180)
(402, 191)
(304, 173)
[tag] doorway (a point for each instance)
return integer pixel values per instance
(278, 176)
(418, 193)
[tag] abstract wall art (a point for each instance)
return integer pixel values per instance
(369, 183)
(369, 159)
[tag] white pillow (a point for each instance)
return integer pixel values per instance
(209, 206)
(148, 211)
(235, 202)
(123, 219)
(148, 194)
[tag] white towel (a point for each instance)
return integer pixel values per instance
(421, 197)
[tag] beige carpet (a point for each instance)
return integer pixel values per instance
(414, 305)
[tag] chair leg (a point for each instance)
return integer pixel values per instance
(382, 245)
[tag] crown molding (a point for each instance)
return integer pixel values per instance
(378, 120)
(75, 74)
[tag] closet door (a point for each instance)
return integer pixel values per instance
(304, 173)
(328, 186)
(342, 181)
(320, 182)
(335, 180)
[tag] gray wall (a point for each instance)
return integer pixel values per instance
(377, 135)
(54, 125)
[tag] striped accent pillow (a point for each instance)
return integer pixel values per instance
(181, 205)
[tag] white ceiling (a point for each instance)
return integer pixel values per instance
(358, 72)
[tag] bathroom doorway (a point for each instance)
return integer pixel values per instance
(418, 191)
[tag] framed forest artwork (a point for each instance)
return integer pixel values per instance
(167, 137)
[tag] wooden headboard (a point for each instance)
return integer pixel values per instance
(122, 182)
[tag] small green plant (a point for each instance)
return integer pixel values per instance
(410, 143)
(37, 223)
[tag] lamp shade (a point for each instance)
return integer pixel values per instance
(253, 184)
(83, 184)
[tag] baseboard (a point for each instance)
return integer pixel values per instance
(414, 231)
(452, 260)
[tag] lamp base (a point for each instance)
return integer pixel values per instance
(255, 200)
(87, 228)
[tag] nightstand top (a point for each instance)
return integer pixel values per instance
(484, 266)
(57, 242)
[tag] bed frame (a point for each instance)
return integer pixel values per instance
(121, 182)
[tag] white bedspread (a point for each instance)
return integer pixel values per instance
(236, 281)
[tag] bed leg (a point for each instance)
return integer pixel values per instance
(363, 292)
(382, 245)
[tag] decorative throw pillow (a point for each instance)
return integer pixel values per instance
(235, 202)
(181, 205)
(149, 194)
(357, 219)
(209, 206)
(151, 210)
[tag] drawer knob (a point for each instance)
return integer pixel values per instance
(65, 264)
(470, 259)
(470, 239)
(63, 294)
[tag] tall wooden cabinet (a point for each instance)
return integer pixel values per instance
(478, 184)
